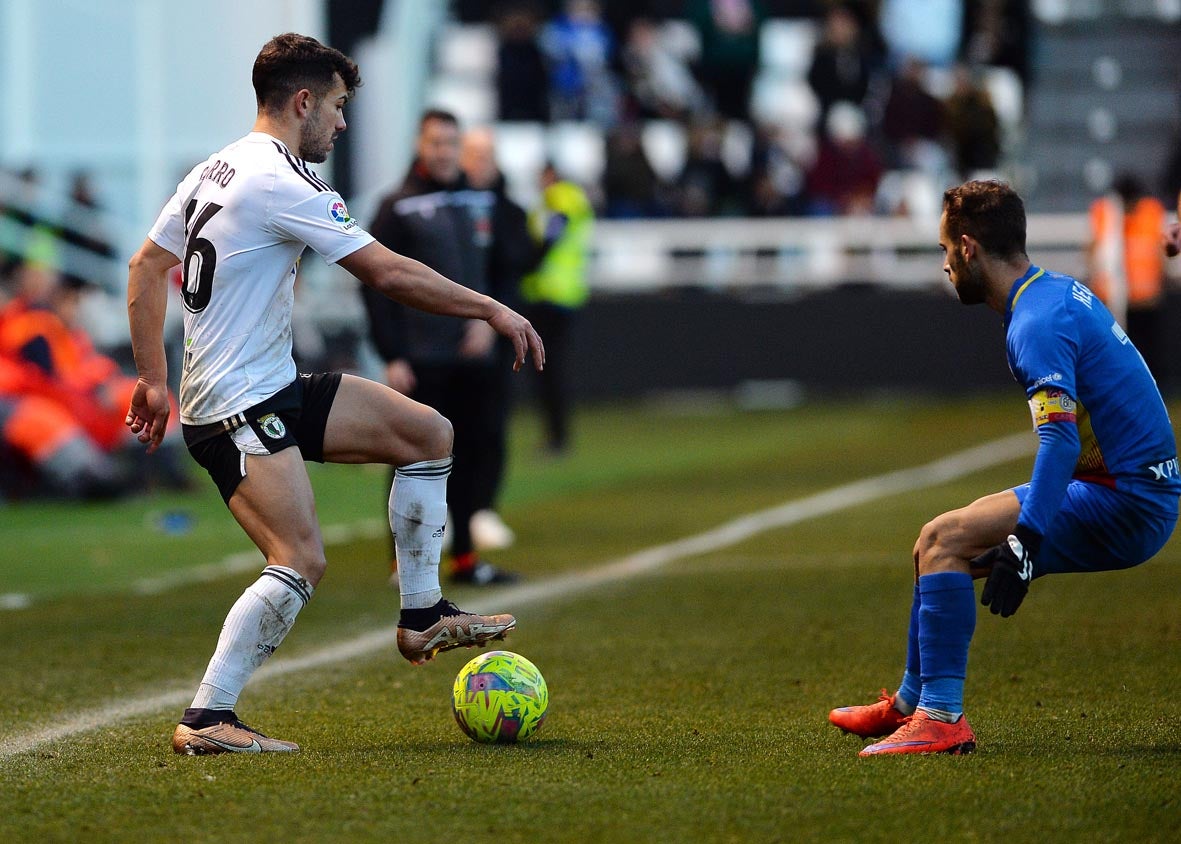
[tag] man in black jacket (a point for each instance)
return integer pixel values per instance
(448, 364)
(514, 253)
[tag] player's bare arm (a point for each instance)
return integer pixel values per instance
(147, 302)
(417, 285)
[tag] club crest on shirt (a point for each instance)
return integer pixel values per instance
(339, 214)
(272, 426)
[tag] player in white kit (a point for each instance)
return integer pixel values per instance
(238, 224)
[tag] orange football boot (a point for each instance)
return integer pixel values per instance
(871, 721)
(923, 734)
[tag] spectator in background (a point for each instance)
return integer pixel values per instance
(996, 33)
(659, 84)
(34, 239)
(442, 362)
(929, 30)
(844, 179)
(705, 187)
(513, 254)
(1171, 180)
(44, 449)
(912, 123)
(580, 50)
(1126, 265)
(82, 227)
(520, 64)
(842, 63)
(555, 292)
(729, 51)
(620, 14)
(972, 126)
(630, 185)
(48, 355)
(777, 176)
(1171, 236)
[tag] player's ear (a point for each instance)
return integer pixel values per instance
(304, 99)
(967, 246)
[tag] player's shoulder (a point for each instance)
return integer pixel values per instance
(1073, 296)
(261, 166)
(1057, 291)
(294, 179)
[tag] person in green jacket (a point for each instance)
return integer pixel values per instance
(556, 290)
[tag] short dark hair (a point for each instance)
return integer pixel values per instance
(290, 62)
(989, 211)
(440, 114)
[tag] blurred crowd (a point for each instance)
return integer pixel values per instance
(62, 401)
(896, 85)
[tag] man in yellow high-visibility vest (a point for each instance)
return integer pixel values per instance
(553, 293)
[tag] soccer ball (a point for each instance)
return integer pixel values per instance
(499, 697)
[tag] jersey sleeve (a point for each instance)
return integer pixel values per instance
(1045, 356)
(1057, 454)
(168, 232)
(322, 221)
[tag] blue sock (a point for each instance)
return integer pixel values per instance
(947, 620)
(908, 693)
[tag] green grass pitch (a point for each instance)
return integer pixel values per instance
(688, 701)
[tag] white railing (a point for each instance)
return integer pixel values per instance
(783, 256)
(799, 254)
(53, 212)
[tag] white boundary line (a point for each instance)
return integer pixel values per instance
(242, 561)
(563, 586)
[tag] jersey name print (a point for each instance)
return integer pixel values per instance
(238, 223)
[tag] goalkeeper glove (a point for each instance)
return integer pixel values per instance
(1011, 565)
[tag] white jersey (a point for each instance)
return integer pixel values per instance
(239, 223)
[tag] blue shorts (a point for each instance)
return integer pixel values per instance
(1101, 529)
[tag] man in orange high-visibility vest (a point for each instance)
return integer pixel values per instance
(1127, 267)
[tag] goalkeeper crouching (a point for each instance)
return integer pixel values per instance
(1105, 484)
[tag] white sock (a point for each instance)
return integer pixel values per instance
(255, 626)
(903, 706)
(942, 715)
(418, 514)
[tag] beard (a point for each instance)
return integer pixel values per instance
(314, 142)
(970, 288)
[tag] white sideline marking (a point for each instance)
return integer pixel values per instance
(236, 563)
(243, 561)
(792, 512)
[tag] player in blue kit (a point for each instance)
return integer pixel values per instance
(1105, 483)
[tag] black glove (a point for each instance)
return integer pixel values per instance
(1012, 570)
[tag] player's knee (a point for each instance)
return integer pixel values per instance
(931, 545)
(305, 554)
(312, 568)
(441, 438)
(434, 438)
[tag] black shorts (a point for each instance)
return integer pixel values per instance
(296, 415)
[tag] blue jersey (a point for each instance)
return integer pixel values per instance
(1097, 410)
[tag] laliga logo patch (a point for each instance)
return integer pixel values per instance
(340, 214)
(272, 426)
